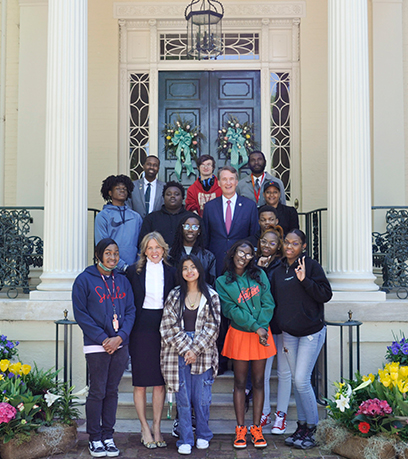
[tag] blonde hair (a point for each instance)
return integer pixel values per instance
(143, 246)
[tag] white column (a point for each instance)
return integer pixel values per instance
(65, 215)
(388, 106)
(349, 210)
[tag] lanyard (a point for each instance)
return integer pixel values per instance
(256, 194)
(115, 321)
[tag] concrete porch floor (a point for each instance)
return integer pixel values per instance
(128, 441)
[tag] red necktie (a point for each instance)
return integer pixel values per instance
(228, 217)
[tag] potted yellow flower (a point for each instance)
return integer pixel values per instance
(368, 416)
(36, 413)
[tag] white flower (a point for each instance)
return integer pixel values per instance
(349, 390)
(83, 392)
(51, 398)
(362, 385)
(343, 403)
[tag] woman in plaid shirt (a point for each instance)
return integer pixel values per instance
(189, 356)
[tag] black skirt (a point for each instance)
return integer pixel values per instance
(144, 349)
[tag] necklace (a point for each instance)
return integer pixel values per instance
(193, 305)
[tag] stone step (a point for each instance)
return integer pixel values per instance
(222, 407)
(216, 426)
(223, 384)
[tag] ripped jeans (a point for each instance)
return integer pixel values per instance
(302, 353)
(194, 391)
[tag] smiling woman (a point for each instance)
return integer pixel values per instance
(246, 300)
(103, 307)
(190, 239)
(151, 280)
(189, 356)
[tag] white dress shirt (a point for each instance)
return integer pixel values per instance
(225, 205)
(154, 285)
(153, 189)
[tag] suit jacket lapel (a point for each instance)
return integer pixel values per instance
(141, 191)
(237, 213)
(158, 196)
(220, 215)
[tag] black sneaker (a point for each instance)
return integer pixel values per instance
(175, 432)
(96, 449)
(299, 432)
(110, 448)
(307, 441)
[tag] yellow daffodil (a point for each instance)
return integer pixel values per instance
(1, 377)
(4, 364)
(168, 137)
(403, 371)
(394, 375)
(15, 368)
(393, 367)
(369, 377)
(402, 386)
(26, 369)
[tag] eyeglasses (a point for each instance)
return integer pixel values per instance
(120, 188)
(187, 227)
(265, 242)
(242, 254)
(295, 245)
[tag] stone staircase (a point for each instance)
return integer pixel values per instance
(222, 416)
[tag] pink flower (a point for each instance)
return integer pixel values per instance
(194, 142)
(7, 412)
(374, 407)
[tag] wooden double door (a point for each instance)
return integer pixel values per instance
(207, 99)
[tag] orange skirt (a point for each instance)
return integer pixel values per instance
(240, 345)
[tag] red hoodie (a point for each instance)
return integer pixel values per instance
(197, 197)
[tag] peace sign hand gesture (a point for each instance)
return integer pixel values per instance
(301, 269)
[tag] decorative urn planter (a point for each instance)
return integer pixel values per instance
(48, 441)
(334, 438)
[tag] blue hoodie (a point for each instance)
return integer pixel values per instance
(93, 309)
(123, 226)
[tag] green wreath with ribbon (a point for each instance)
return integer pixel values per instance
(182, 142)
(236, 141)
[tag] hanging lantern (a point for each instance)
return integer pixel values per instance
(204, 30)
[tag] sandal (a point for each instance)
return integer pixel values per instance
(148, 444)
(161, 444)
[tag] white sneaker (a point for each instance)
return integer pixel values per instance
(279, 426)
(184, 449)
(202, 444)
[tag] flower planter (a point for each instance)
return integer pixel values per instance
(47, 442)
(336, 439)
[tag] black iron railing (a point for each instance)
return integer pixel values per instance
(18, 249)
(390, 249)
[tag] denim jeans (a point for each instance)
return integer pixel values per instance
(194, 390)
(284, 379)
(105, 373)
(302, 353)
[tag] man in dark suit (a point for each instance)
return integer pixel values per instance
(228, 219)
(147, 195)
(229, 210)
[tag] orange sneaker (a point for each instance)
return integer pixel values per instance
(240, 437)
(257, 437)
